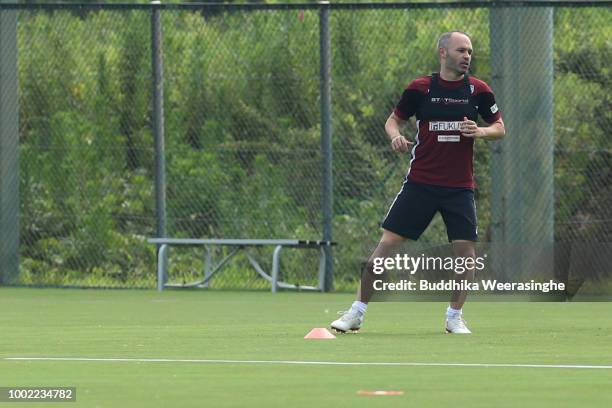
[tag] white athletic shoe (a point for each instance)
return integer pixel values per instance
(349, 320)
(456, 325)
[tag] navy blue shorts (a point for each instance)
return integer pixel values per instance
(416, 204)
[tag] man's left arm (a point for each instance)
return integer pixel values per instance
(488, 110)
(494, 131)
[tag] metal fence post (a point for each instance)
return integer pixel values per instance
(523, 185)
(9, 149)
(326, 139)
(158, 122)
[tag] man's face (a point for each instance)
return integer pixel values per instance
(458, 55)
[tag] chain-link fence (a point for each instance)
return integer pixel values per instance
(242, 120)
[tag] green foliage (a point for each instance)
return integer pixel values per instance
(242, 132)
(583, 113)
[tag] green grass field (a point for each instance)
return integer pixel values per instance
(262, 328)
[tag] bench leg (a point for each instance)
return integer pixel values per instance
(162, 264)
(322, 262)
(207, 266)
(275, 267)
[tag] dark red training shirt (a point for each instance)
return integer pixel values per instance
(441, 156)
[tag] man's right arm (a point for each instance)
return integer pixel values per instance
(406, 107)
(398, 141)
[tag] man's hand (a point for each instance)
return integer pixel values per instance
(400, 144)
(392, 128)
(469, 128)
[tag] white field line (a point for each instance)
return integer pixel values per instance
(291, 362)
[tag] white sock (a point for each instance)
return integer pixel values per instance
(453, 313)
(359, 307)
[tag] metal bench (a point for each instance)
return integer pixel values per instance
(238, 244)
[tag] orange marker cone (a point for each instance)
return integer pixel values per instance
(319, 333)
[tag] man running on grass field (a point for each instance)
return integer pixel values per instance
(440, 176)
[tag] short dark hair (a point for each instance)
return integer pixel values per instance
(443, 40)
